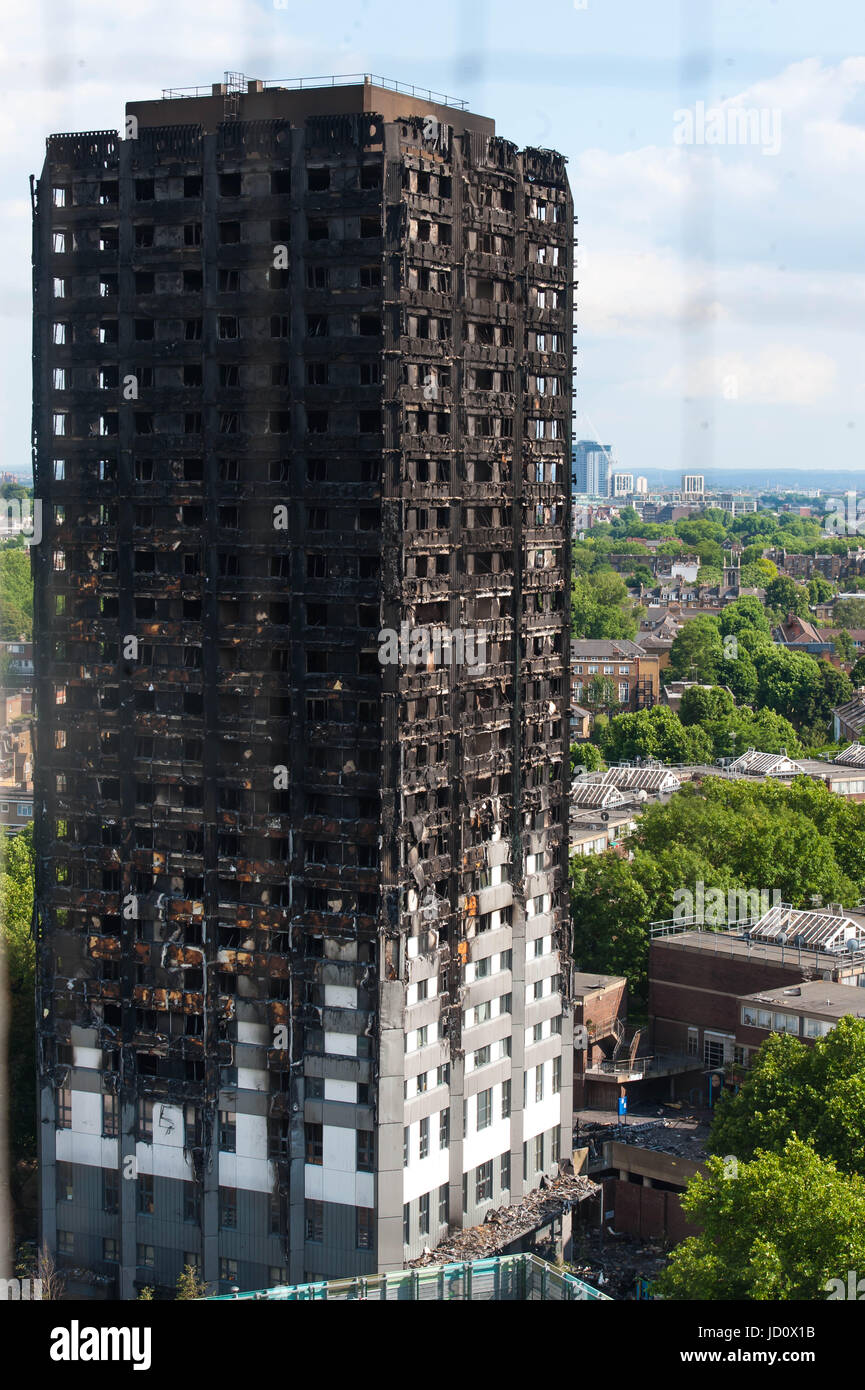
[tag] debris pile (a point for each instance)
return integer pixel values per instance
(663, 1136)
(615, 1265)
(503, 1225)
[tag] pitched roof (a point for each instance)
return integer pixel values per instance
(852, 714)
(756, 764)
(854, 756)
(819, 930)
(589, 647)
(795, 629)
(595, 794)
(649, 779)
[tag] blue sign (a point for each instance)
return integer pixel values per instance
(623, 1105)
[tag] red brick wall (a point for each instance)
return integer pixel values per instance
(647, 1212)
(601, 1009)
(702, 988)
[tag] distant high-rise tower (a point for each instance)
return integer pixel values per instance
(592, 464)
(302, 392)
(693, 484)
(621, 484)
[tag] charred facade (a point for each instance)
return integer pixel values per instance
(302, 405)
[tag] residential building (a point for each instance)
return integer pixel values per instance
(800, 635)
(19, 661)
(302, 371)
(16, 807)
(582, 721)
(631, 673)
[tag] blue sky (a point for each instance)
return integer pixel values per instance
(722, 287)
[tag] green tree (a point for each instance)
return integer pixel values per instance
(791, 683)
(699, 704)
(744, 728)
(740, 674)
(762, 834)
(816, 1092)
(611, 913)
(697, 651)
(614, 901)
(800, 838)
(189, 1284)
(698, 531)
(711, 554)
(751, 554)
(836, 688)
(16, 594)
(586, 755)
(641, 576)
(744, 614)
(601, 606)
(820, 589)
(845, 647)
(857, 675)
(16, 912)
(758, 574)
(849, 612)
(777, 1228)
(654, 733)
(786, 596)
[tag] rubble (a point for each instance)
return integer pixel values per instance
(504, 1225)
(615, 1263)
(663, 1136)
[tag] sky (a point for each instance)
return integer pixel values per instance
(716, 154)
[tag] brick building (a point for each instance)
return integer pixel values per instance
(699, 979)
(632, 671)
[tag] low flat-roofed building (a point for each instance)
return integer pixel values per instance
(842, 779)
(808, 1011)
(697, 977)
(16, 808)
(592, 834)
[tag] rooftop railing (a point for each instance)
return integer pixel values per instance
(351, 79)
